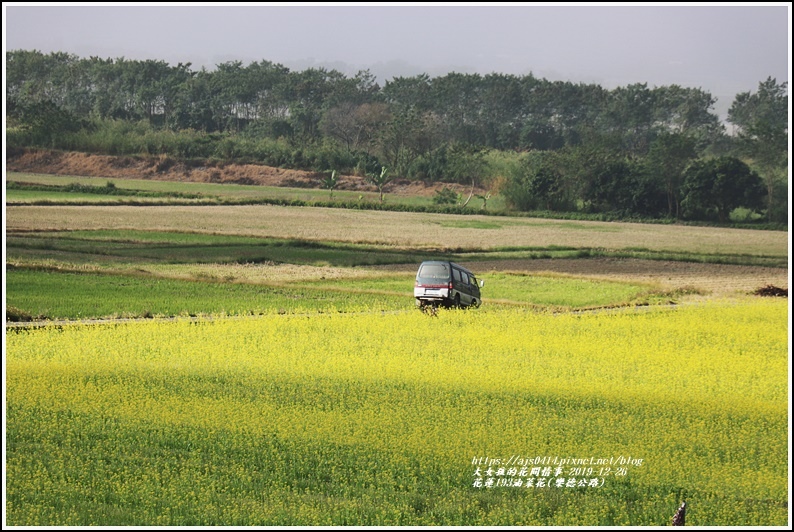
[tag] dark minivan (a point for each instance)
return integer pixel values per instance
(444, 283)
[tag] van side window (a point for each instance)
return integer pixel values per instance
(456, 275)
(473, 280)
(464, 277)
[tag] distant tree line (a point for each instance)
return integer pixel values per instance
(654, 152)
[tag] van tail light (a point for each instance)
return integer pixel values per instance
(450, 285)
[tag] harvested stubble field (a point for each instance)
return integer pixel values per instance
(428, 231)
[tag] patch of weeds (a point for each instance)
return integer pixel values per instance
(445, 196)
(16, 314)
(670, 297)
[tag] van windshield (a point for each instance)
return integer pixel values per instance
(433, 272)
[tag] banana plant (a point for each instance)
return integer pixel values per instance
(380, 181)
(330, 182)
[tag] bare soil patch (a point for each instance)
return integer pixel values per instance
(167, 169)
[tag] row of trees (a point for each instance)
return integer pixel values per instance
(496, 111)
(679, 186)
(420, 127)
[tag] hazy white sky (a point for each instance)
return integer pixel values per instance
(724, 49)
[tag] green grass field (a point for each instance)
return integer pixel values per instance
(53, 294)
(62, 295)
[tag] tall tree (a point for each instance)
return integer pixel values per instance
(537, 182)
(720, 185)
(457, 101)
(501, 111)
(630, 112)
(354, 125)
(407, 135)
(762, 123)
(466, 165)
(409, 93)
(308, 92)
(668, 157)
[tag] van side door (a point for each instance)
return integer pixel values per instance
(475, 287)
(465, 289)
(457, 284)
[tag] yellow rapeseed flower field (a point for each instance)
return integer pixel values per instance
(504, 417)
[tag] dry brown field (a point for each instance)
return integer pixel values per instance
(410, 230)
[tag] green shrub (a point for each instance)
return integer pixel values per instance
(445, 196)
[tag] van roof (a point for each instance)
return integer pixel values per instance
(458, 266)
